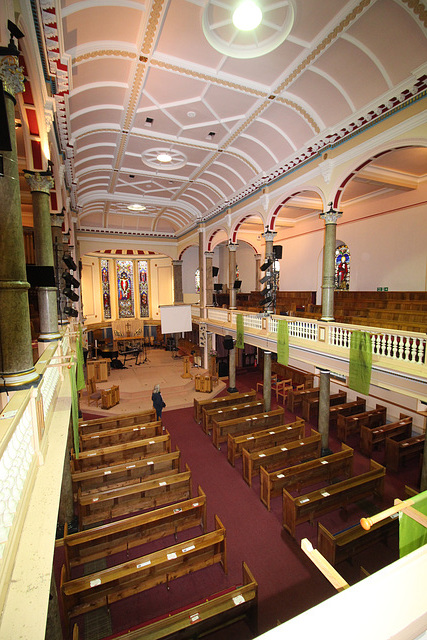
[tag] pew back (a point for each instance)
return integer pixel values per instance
(295, 397)
(87, 426)
(119, 435)
(268, 437)
(371, 437)
(347, 409)
(232, 412)
(310, 406)
(398, 450)
(223, 401)
(347, 425)
(245, 424)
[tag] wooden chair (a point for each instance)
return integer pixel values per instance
(260, 385)
(93, 395)
(282, 388)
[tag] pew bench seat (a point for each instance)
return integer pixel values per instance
(370, 438)
(349, 425)
(224, 401)
(268, 437)
(232, 412)
(239, 425)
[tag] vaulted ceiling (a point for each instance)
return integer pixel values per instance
(233, 110)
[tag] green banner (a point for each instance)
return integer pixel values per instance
(74, 408)
(282, 342)
(413, 535)
(240, 340)
(360, 363)
(80, 361)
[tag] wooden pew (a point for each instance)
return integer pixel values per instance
(215, 612)
(246, 423)
(119, 435)
(397, 451)
(125, 420)
(310, 406)
(114, 537)
(105, 505)
(121, 475)
(127, 452)
(299, 376)
(232, 412)
(347, 425)
(311, 505)
(295, 397)
(347, 409)
(223, 401)
(346, 544)
(305, 474)
(276, 457)
(269, 437)
(371, 437)
(135, 576)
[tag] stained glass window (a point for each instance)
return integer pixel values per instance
(125, 288)
(197, 280)
(105, 277)
(144, 307)
(342, 267)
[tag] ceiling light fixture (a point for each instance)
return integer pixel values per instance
(247, 16)
(164, 157)
(136, 207)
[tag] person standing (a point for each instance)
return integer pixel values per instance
(158, 403)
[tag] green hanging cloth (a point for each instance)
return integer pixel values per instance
(74, 408)
(240, 340)
(282, 342)
(360, 367)
(413, 535)
(80, 361)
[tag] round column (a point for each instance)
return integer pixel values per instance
(232, 370)
(232, 248)
(177, 281)
(324, 396)
(257, 271)
(40, 184)
(267, 381)
(58, 252)
(209, 278)
(202, 274)
(16, 354)
(328, 282)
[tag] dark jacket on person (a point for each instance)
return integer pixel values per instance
(158, 403)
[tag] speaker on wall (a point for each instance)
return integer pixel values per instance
(277, 251)
(237, 284)
(228, 342)
(215, 271)
(40, 276)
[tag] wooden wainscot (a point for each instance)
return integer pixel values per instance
(306, 507)
(114, 537)
(348, 425)
(267, 437)
(121, 475)
(398, 449)
(310, 406)
(277, 457)
(105, 505)
(346, 409)
(231, 412)
(103, 457)
(135, 576)
(120, 435)
(306, 474)
(346, 544)
(125, 420)
(245, 424)
(223, 401)
(370, 438)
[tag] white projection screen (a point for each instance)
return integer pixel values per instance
(175, 319)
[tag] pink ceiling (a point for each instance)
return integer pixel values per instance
(131, 60)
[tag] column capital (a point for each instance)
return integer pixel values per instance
(331, 216)
(11, 74)
(269, 235)
(177, 263)
(209, 254)
(56, 219)
(39, 180)
(257, 256)
(232, 246)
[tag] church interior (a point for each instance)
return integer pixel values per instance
(226, 199)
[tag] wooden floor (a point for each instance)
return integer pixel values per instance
(136, 384)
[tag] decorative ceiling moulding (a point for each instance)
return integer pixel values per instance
(124, 233)
(164, 159)
(222, 34)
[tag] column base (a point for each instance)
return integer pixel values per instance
(48, 337)
(232, 390)
(19, 380)
(325, 452)
(327, 319)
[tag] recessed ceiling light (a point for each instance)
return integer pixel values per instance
(136, 207)
(164, 157)
(247, 16)
(191, 114)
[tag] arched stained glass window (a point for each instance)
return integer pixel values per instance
(197, 280)
(342, 267)
(144, 307)
(105, 278)
(125, 288)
